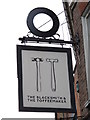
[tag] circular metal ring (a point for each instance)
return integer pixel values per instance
(37, 32)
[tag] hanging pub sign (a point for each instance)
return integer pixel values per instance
(45, 79)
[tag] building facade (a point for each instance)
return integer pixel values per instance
(78, 18)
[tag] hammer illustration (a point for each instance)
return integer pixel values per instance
(38, 73)
(53, 77)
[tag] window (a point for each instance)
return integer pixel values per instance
(86, 36)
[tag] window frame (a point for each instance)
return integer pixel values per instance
(86, 49)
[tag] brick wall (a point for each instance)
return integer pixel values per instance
(82, 6)
(80, 58)
(77, 94)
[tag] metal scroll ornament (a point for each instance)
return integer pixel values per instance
(37, 32)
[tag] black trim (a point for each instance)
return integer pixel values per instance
(19, 72)
(20, 88)
(55, 116)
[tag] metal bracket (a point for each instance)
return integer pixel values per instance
(50, 40)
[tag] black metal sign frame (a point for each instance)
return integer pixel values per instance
(20, 48)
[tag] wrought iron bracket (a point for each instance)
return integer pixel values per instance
(50, 40)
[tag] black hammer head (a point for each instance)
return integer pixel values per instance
(37, 59)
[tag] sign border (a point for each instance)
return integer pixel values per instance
(20, 86)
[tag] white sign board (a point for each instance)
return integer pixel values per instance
(45, 79)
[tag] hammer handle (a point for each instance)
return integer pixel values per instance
(53, 78)
(38, 79)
